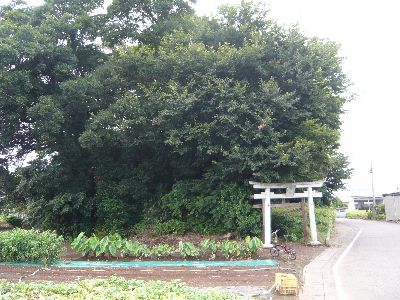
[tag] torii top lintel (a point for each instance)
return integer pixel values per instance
(262, 185)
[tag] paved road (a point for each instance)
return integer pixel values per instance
(368, 269)
(371, 268)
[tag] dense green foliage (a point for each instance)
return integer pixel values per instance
(148, 111)
(325, 218)
(113, 245)
(290, 222)
(226, 209)
(113, 288)
(19, 245)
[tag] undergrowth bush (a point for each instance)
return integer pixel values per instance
(14, 220)
(380, 209)
(112, 213)
(112, 288)
(2, 219)
(290, 222)
(325, 218)
(19, 245)
(170, 227)
(224, 209)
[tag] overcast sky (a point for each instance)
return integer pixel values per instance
(369, 34)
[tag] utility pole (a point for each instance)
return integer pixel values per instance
(373, 190)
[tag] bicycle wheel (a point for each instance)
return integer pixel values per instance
(292, 255)
(274, 252)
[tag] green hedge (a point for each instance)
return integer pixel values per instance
(113, 288)
(19, 245)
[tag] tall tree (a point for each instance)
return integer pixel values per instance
(189, 102)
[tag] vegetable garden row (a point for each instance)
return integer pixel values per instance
(113, 288)
(20, 245)
(113, 245)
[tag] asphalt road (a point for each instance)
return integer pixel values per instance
(371, 267)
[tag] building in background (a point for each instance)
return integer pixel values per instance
(365, 202)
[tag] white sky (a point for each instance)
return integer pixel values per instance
(369, 34)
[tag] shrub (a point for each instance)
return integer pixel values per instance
(325, 218)
(14, 220)
(357, 214)
(68, 213)
(19, 245)
(290, 222)
(140, 227)
(112, 213)
(220, 210)
(380, 209)
(170, 227)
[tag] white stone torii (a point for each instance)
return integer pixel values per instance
(267, 195)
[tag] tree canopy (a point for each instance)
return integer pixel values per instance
(149, 110)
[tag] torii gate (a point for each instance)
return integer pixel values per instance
(268, 194)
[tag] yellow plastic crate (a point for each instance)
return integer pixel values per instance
(286, 284)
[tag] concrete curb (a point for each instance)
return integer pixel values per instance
(319, 283)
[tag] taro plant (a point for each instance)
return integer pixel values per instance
(253, 244)
(130, 248)
(108, 245)
(230, 249)
(136, 249)
(78, 244)
(210, 246)
(188, 249)
(146, 251)
(86, 245)
(162, 250)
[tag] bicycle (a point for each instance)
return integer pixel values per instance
(277, 248)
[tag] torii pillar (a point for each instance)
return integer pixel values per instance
(268, 194)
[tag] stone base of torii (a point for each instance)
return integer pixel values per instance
(269, 193)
